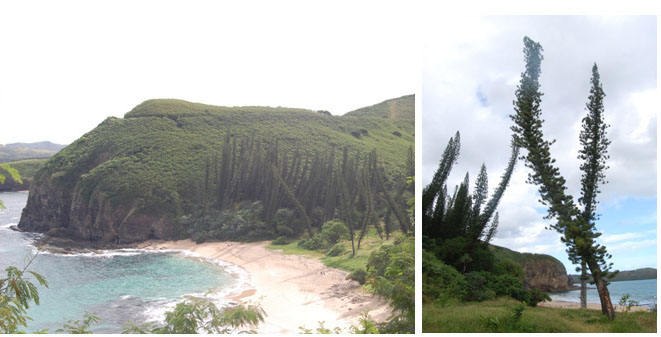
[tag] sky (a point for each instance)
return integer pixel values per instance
(65, 66)
(470, 72)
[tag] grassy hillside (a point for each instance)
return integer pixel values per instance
(46, 145)
(8, 154)
(521, 258)
(151, 165)
(626, 275)
(396, 108)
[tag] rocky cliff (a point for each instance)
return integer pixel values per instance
(542, 271)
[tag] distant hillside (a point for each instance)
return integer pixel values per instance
(397, 108)
(46, 145)
(626, 275)
(20, 151)
(542, 271)
(26, 168)
(142, 176)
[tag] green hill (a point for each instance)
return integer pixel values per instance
(626, 275)
(46, 145)
(133, 178)
(14, 153)
(397, 108)
(27, 169)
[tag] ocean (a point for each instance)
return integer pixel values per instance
(643, 291)
(118, 286)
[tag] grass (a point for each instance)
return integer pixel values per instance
(497, 316)
(344, 261)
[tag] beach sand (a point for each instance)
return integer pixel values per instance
(293, 290)
(594, 306)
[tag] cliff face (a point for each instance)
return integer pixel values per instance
(542, 271)
(547, 275)
(129, 179)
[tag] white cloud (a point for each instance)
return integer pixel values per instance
(492, 61)
(621, 237)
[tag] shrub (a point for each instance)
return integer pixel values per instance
(477, 286)
(336, 250)
(509, 267)
(440, 282)
(280, 240)
(333, 231)
(356, 134)
(285, 230)
(312, 243)
(537, 296)
(359, 275)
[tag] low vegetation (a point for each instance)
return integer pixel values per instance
(507, 315)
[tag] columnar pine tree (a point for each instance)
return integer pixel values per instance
(577, 233)
(594, 155)
(457, 223)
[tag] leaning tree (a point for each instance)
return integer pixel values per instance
(576, 226)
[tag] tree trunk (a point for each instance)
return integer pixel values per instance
(602, 289)
(584, 286)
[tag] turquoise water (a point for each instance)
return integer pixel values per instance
(643, 291)
(118, 286)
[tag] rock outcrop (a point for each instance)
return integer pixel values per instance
(546, 274)
(542, 271)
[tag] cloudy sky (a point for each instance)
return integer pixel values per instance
(470, 72)
(67, 65)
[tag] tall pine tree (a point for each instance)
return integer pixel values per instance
(577, 233)
(593, 155)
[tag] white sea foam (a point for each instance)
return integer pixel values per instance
(8, 225)
(157, 309)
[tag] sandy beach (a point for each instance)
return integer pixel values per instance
(293, 290)
(594, 306)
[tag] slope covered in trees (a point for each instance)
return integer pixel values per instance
(172, 169)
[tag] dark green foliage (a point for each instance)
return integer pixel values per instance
(312, 243)
(440, 282)
(242, 223)
(461, 224)
(511, 268)
(478, 286)
(576, 227)
(537, 296)
(333, 231)
(336, 250)
(359, 275)
(391, 270)
(281, 240)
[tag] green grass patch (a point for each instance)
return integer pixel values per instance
(344, 261)
(497, 316)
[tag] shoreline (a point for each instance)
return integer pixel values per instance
(293, 290)
(592, 306)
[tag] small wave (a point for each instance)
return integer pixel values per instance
(8, 225)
